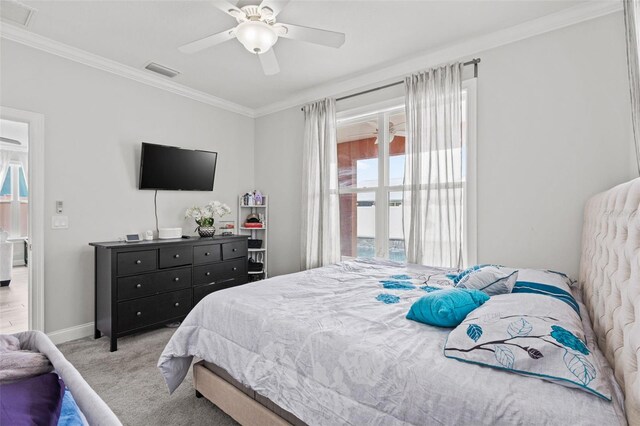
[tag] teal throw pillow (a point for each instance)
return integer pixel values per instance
(446, 308)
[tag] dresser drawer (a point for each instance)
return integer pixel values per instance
(148, 284)
(134, 262)
(214, 272)
(140, 313)
(233, 250)
(200, 292)
(206, 254)
(175, 256)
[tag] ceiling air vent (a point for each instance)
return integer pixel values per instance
(161, 69)
(16, 12)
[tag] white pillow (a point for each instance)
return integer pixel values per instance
(529, 334)
(492, 280)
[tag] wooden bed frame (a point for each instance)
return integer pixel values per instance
(610, 284)
(243, 404)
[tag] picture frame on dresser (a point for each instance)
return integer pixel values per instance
(152, 283)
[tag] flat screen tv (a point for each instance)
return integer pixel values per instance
(177, 169)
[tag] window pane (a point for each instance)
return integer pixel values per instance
(397, 133)
(396, 170)
(367, 173)
(450, 169)
(357, 224)
(5, 207)
(442, 223)
(24, 192)
(396, 234)
(358, 154)
(6, 186)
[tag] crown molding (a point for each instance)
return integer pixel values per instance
(456, 51)
(28, 38)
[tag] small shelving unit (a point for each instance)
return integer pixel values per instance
(257, 254)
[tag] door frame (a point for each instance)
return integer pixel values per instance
(35, 248)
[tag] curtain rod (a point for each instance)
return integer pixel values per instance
(474, 62)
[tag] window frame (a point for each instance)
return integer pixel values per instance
(383, 110)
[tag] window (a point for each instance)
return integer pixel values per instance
(6, 193)
(371, 161)
(370, 173)
(14, 201)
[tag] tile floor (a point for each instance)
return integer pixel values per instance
(14, 315)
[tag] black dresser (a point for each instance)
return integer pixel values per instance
(147, 284)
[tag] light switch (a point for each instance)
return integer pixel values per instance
(58, 207)
(59, 222)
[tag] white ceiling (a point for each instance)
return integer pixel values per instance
(378, 33)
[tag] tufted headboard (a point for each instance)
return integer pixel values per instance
(610, 283)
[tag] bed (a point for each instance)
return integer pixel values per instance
(78, 396)
(322, 347)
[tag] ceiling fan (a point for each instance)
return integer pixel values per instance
(258, 31)
(9, 140)
(371, 131)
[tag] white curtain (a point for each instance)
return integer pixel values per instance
(5, 158)
(320, 210)
(23, 158)
(633, 63)
(433, 194)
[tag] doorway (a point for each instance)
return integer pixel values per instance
(21, 224)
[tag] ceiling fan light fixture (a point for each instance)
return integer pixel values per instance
(256, 36)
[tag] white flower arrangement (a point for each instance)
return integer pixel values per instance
(204, 216)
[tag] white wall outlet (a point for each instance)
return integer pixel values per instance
(59, 222)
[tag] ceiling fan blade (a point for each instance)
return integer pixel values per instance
(228, 8)
(9, 140)
(274, 5)
(312, 35)
(203, 43)
(269, 62)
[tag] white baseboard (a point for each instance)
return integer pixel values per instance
(71, 333)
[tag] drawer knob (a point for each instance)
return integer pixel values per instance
(235, 249)
(177, 256)
(138, 285)
(138, 262)
(208, 273)
(207, 254)
(235, 269)
(176, 279)
(177, 304)
(138, 313)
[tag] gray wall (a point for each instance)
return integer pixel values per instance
(94, 123)
(554, 128)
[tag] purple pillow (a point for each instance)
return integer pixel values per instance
(34, 401)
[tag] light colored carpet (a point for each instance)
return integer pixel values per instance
(131, 384)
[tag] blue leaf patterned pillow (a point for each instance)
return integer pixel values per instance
(456, 277)
(492, 280)
(529, 334)
(547, 283)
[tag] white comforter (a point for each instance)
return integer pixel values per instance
(320, 345)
